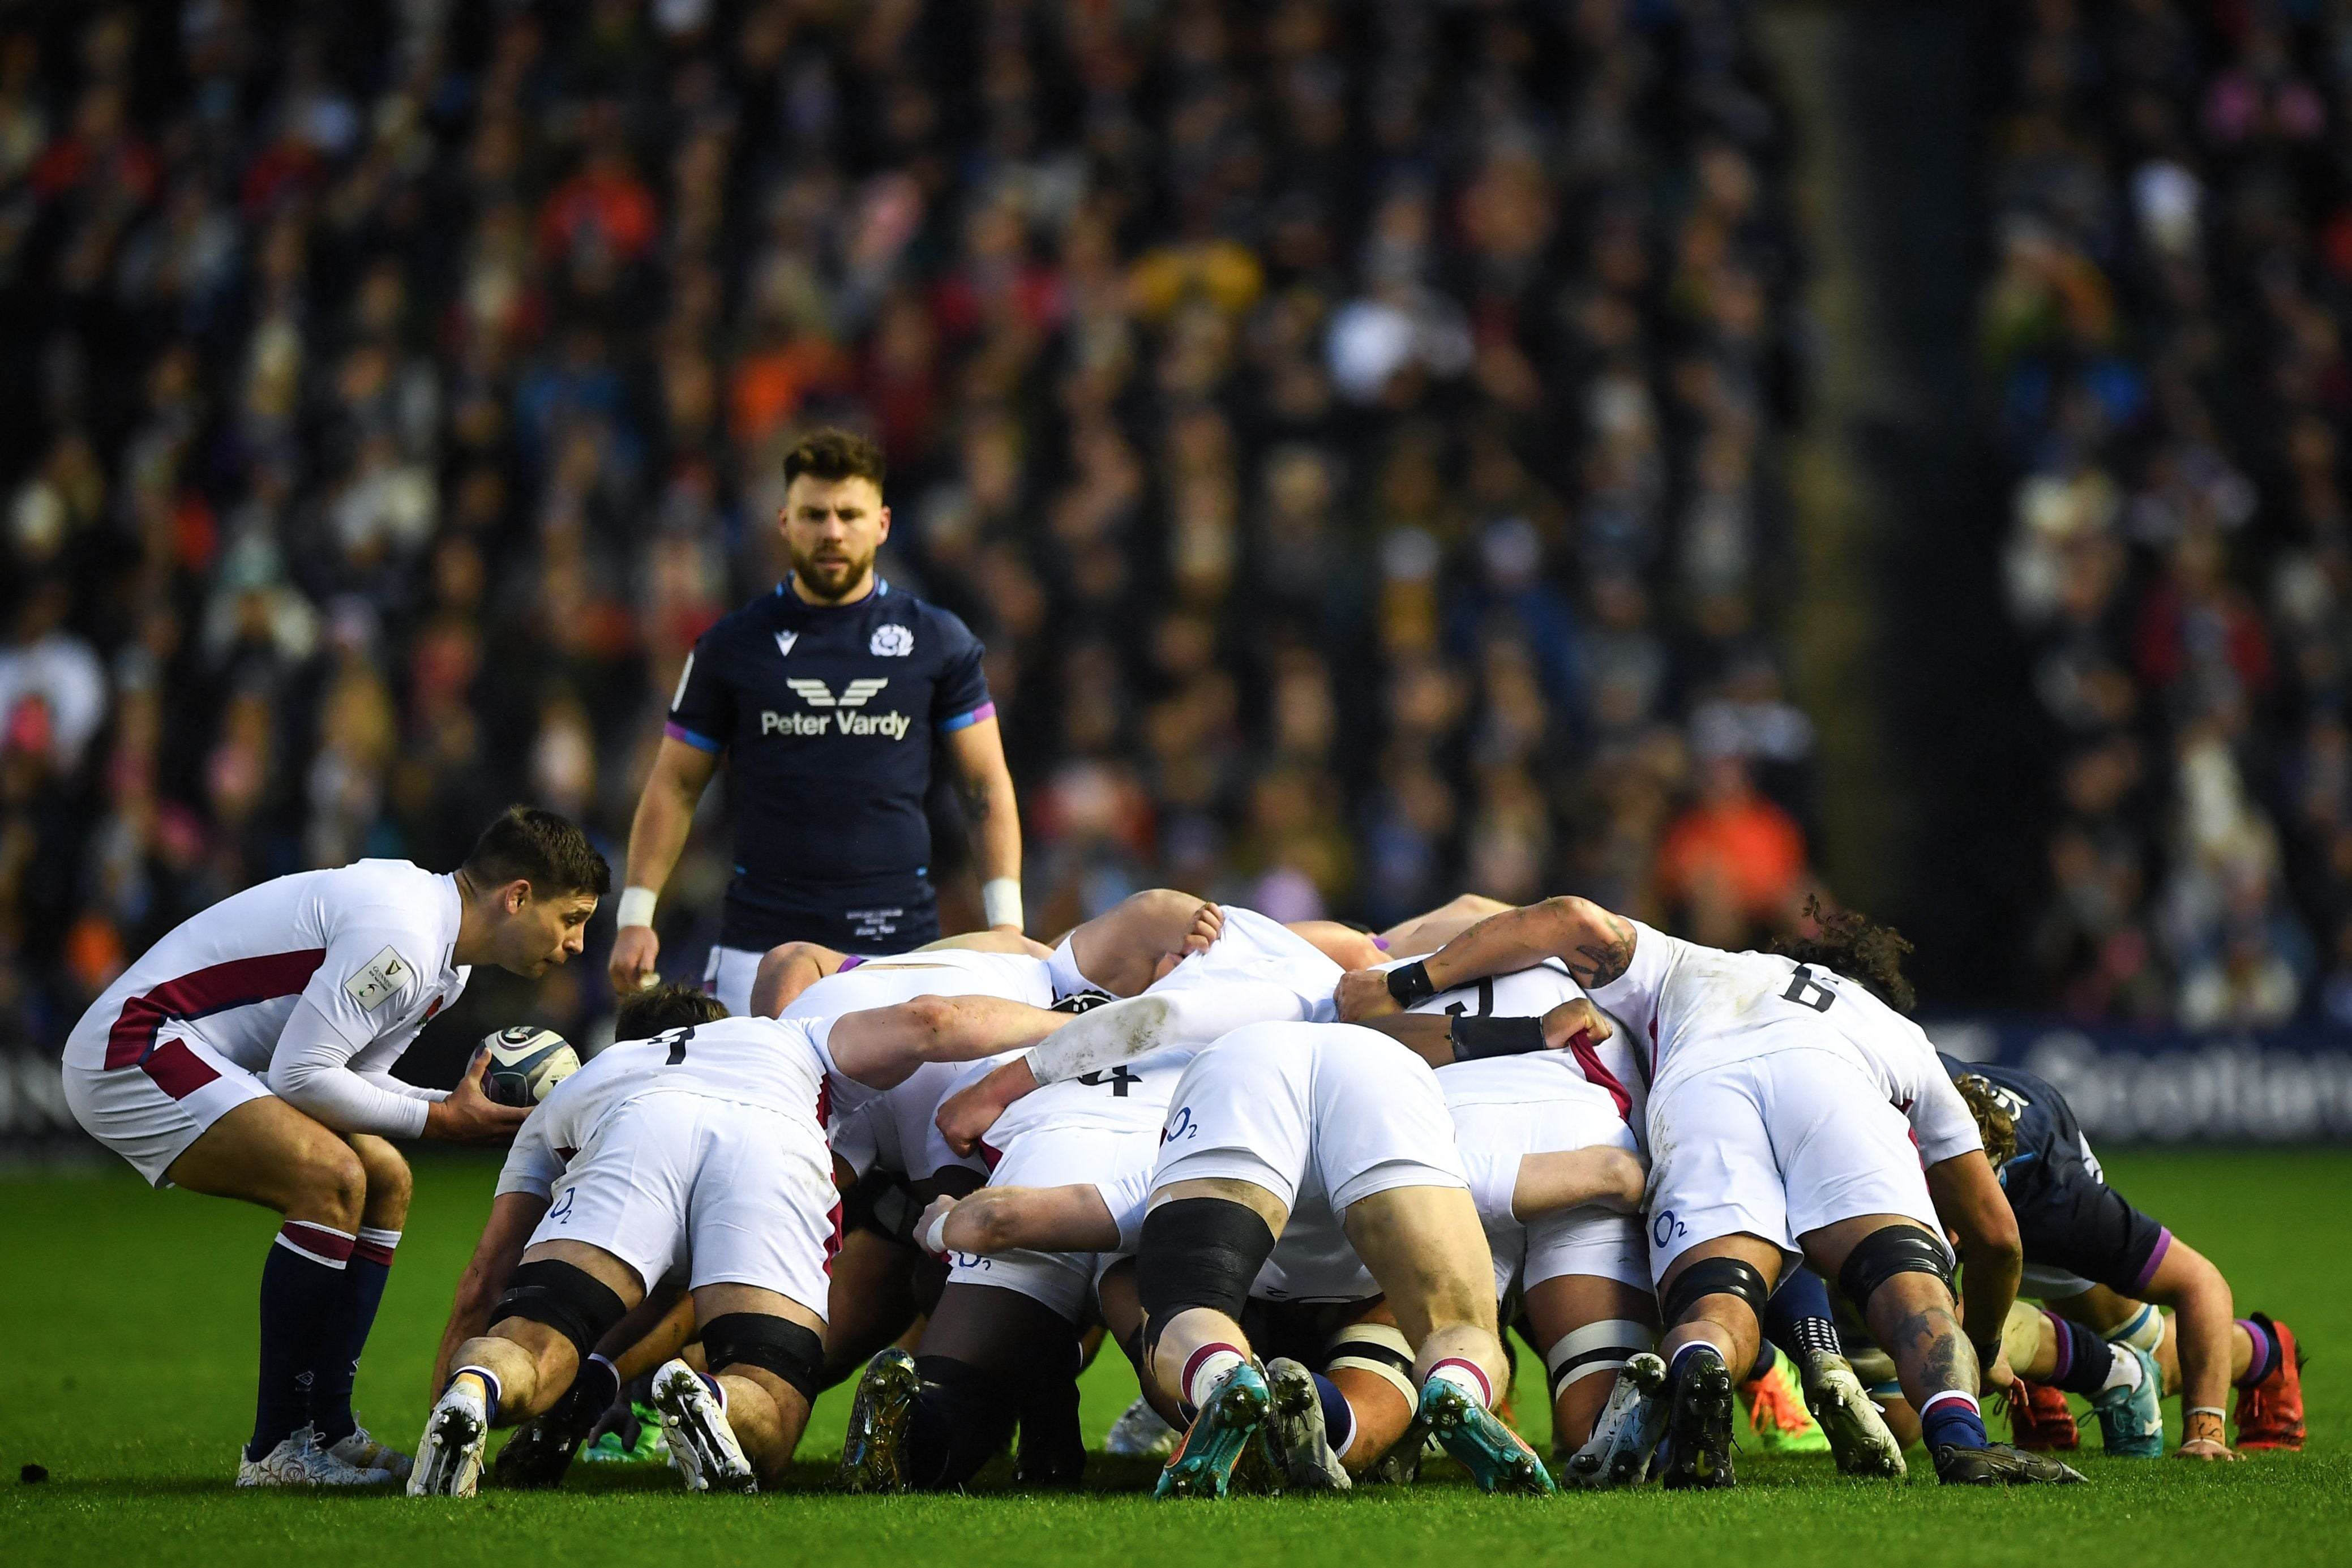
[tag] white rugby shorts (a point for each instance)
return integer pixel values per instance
(1494, 1136)
(1322, 1116)
(1777, 1146)
(149, 1112)
(723, 1192)
(728, 975)
(1049, 1156)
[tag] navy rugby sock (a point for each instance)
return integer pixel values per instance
(301, 1284)
(1800, 1319)
(2266, 1350)
(961, 1419)
(345, 1334)
(2084, 1360)
(1339, 1417)
(1952, 1417)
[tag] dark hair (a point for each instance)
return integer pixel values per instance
(1995, 1125)
(676, 1005)
(526, 844)
(835, 454)
(1856, 947)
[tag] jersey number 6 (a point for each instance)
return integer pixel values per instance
(1808, 992)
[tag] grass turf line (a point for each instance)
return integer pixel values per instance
(130, 1327)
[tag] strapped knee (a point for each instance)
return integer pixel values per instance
(566, 1298)
(1198, 1252)
(1716, 1277)
(1600, 1347)
(789, 1351)
(1379, 1349)
(2143, 1329)
(1886, 1252)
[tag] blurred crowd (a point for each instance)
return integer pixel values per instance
(2172, 187)
(1352, 428)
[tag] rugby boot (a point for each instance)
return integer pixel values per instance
(1139, 1432)
(1699, 1428)
(2039, 1419)
(2270, 1414)
(701, 1445)
(449, 1456)
(1202, 1464)
(874, 1453)
(538, 1452)
(1627, 1431)
(1498, 1458)
(1777, 1417)
(299, 1461)
(1856, 1432)
(1296, 1430)
(1401, 1466)
(1999, 1465)
(363, 1452)
(2131, 1420)
(633, 1438)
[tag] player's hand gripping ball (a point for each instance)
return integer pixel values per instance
(526, 1064)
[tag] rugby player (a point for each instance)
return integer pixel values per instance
(248, 1055)
(700, 1141)
(1786, 1097)
(2100, 1267)
(828, 693)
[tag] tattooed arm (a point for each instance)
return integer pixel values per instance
(1969, 1200)
(1595, 945)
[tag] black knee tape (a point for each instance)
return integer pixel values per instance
(1716, 1277)
(774, 1344)
(1198, 1252)
(566, 1298)
(1886, 1252)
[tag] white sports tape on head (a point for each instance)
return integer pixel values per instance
(1379, 1350)
(2144, 1331)
(1604, 1346)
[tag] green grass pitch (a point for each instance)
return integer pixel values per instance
(127, 1333)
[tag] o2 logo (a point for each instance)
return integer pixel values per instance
(1666, 1227)
(562, 1213)
(968, 1260)
(1180, 1126)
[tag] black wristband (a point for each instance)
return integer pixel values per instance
(1409, 984)
(1476, 1039)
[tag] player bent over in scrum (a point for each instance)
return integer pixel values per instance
(248, 1055)
(1776, 1136)
(1324, 1151)
(697, 1140)
(2100, 1267)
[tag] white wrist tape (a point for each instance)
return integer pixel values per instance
(1000, 901)
(935, 1235)
(635, 908)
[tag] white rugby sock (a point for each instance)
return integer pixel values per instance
(1206, 1368)
(1467, 1376)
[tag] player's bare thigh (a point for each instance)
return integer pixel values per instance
(872, 1303)
(1429, 1253)
(265, 1152)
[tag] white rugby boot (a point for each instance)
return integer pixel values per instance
(1627, 1432)
(701, 1445)
(450, 1455)
(1140, 1434)
(299, 1461)
(363, 1452)
(1858, 1434)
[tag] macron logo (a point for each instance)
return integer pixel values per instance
(784, 641)
(856, 694)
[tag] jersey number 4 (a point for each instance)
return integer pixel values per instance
(1119, 1078)
(1808, 992)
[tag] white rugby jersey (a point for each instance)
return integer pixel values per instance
(1701, 1007)
(895, 1131)
(370, 946)
(774, 1064)
(1617, 1066)
(1252, 946)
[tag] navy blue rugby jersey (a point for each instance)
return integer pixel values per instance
(829, 712)
(2049, 1140)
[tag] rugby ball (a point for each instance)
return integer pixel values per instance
(526, 1064)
